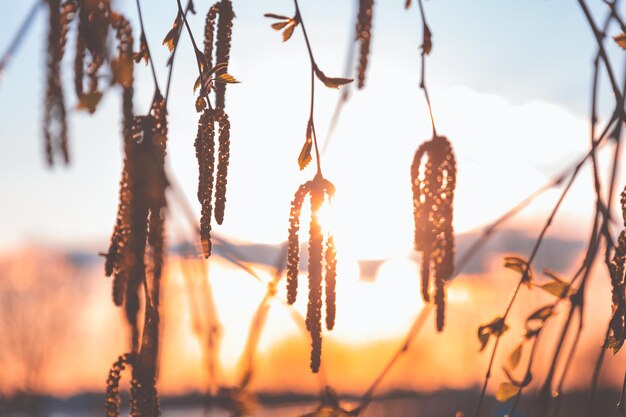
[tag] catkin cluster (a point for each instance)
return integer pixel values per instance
(208, 178)
(433, 180)
(617, 325)
(317, 189)
(221, 15)
(364, 37)
(140, 219)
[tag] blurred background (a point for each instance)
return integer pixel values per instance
(510, 85)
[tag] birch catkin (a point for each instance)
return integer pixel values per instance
(433, 181)
(222, 48)
(321, 264)
(55, 123)
(364, 37)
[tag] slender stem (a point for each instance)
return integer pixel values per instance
(568, 363)
(609, 70)
(144, 40)
(20, 35)
(195, 48)
(311, 123)
(425, 31)
(171, 59)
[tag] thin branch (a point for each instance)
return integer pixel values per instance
(313, 68)
(20, 35)
(173, 55)
(144, 40)
(425, 51)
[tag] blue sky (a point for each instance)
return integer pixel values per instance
(520, 52)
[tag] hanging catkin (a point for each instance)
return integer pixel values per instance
(222, 48)
(364, 37)
(433, 180)
(317, 189)
(617, 325)
(205, 153)
(55, 123)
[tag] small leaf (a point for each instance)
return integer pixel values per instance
(277, 16)
(542, 314)
(200, 104)
(280, 25)
(519, 264)
(407, 4)
(495, 327)
(171, 37)
(289, 31)
(506, 391)
(516, 355)
(329, 81)
(226, 78)
(427, 44)
(305, 154)
(204, 64)
(89, 101)
(558, 289)
(143, 51)
(621, 40)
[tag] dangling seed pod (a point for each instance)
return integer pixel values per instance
(364, 37)
(317, 189)
(617, 325)
(433, 180)
(55, 124)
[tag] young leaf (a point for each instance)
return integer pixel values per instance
(542, 314)
(558, 289)
(89, 101)
(200, 104)
(280, 25)
(143, 51)
(331, 82)
(172, 35)
(620, 40)
(520, 265)
(516, 355)
(407, 4)
(289, 31)
(495, 327)
(305, 154)
(506, 391)
(276, 16)
(427, 44)
(226, 78)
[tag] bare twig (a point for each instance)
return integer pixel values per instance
(20, 35)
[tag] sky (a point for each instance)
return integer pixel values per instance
(510, 87)
(502, 75)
